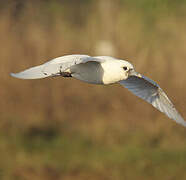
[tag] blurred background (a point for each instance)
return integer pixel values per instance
(63, 129)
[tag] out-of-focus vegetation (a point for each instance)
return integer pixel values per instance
(63, 129)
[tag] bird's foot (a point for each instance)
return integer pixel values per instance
(65, 74)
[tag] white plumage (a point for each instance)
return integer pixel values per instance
(105, 70)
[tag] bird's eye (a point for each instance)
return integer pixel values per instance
(125, 68)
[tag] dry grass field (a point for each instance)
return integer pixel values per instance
(63, 129)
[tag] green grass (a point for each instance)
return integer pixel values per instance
(64, 155)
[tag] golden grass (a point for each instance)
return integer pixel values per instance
(108, 116)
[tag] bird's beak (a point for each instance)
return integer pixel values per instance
(132, 72)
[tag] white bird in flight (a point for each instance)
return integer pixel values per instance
(105, 70)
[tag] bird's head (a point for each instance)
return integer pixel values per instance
(117, 70)
(128, 69)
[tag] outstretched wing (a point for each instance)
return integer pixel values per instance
(150, 91)
(53, 67)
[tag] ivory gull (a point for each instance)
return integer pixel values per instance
(105, 70)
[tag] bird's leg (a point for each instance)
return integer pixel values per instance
(64, 74)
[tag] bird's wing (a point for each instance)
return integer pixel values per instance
(150, 91)
(54, 67)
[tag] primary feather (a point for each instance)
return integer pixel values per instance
(150, 91)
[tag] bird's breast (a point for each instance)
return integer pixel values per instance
(112, 73)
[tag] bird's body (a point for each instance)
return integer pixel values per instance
(105, 70)
(89, 72)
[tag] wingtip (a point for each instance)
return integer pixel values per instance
(16, 75)
(13, 74)
(183, 122)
